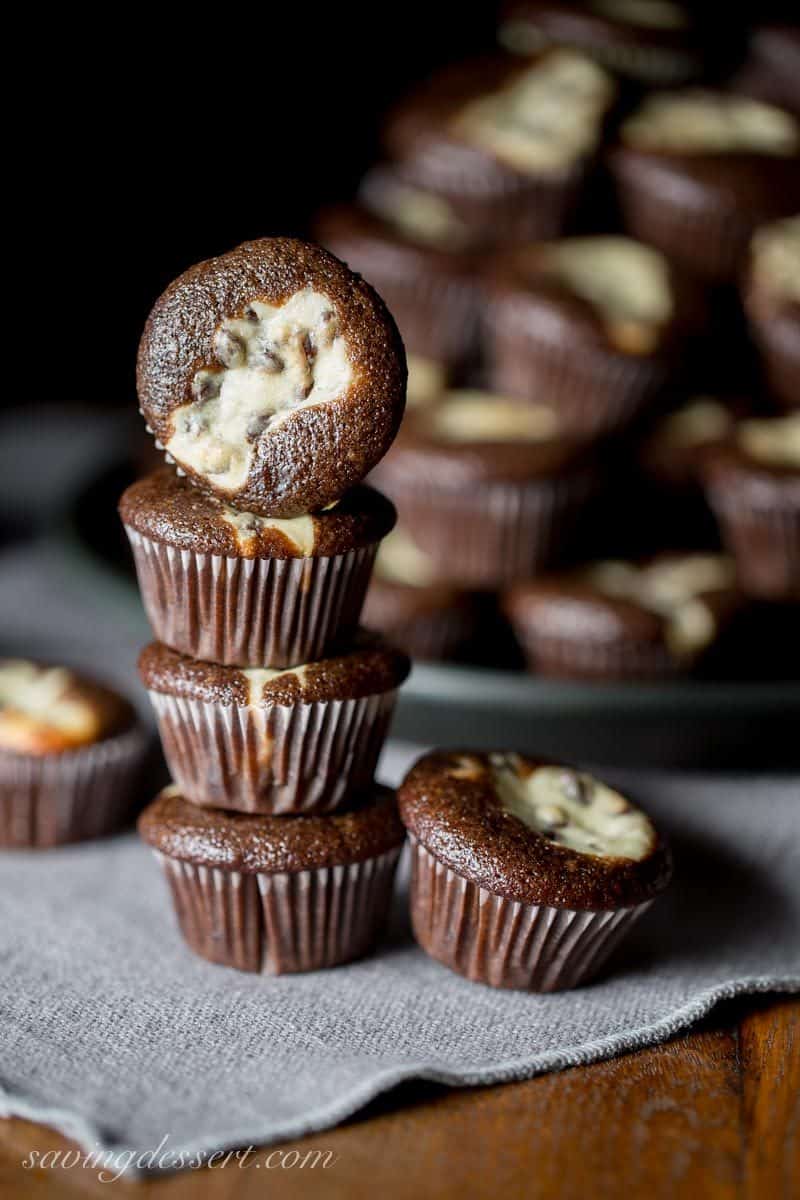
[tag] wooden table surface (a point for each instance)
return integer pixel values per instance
(712, 1114)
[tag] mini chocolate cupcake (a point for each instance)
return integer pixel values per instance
(771, 68)
(596, 325)
(434, 295)
(71, 752)
(525, 874)
(651, 41)
(302, 740)
(486, 487)
(257, 367)
(429, 620)
(624, 620)
(277, 894)
(244, 590)
(505, 148)
(753, 484)
(697, 171)
(772, 300)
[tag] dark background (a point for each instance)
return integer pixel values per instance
(150, 140)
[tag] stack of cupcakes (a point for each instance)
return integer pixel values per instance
(274, 380)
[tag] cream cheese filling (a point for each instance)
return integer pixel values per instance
(273, 361)
(627, 283)
(299, 531)
(572, 808)
(699, 122)
(774, 441)
(475, 416)
(34, 697)
(546, 118)
(702, 420)
(399, 560)
(672, 588)
(776, 258)
(258, 677)
(427, 380)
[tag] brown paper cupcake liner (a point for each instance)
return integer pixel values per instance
(779, 344)
(87, 793)
(505, 943)
(301, 758)
(764, 540)
(251, 612)
(708, 239)
(593, 392)
(492, 533)
(282, 923)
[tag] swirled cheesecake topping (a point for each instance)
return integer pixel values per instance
(696, 121)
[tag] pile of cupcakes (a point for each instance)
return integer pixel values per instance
(591, 244)
(274, 380)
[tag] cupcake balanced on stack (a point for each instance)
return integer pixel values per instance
(274, 380)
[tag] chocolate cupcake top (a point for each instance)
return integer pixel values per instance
(675, 447)
(167, 508)
(763, 451)
(273, 376)
(479, 121)
(50, 710)
(470, 436)
(701, 122)
(533, 831)
(608, 288)
(241, 842)
(421, 218)
(370, 668)
(653, 40)
(677, 601)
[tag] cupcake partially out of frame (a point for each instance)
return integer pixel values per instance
(244, 590)
(650, 41)
(304, 739)
(697, 171)
(433, 292)
(71, 753)
(616, 620)
(772, 301)
(487, 487)
(525, 874)
(594, 325)
(257, 367)
(753, 486)
(504, 148)
(277, 894)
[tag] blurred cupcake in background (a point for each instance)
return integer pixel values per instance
(486, 487)
(593, 325)
(650, 41)
(433, 291)
(616, 620)
(753, 484)
(503, 149)
(698, 170)
(426, 618)
(772, 301)
(771, 67)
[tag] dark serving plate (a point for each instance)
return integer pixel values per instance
(750, 723)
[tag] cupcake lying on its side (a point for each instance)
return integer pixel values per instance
(70, 756)
(525, 874)
(624, 620)
(486, 486)
(698, 171)
(772, 300)
(593, 325)
(753, 486)
(277, 894)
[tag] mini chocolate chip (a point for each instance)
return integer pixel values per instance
(206, 385)
(309, 348)
(268, 359)
(229, 349)
(257, 425)
(576, 787)
(251, 315)
(329, 329)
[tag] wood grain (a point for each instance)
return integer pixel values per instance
(713, 1114)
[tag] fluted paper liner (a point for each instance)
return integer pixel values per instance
(505, 943)
(282, 923)
(764, 538)
(47, 800)
(250, 612)
(300, 758)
